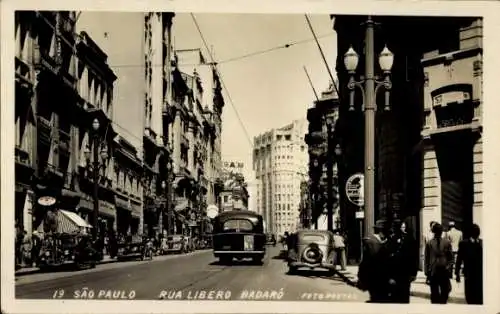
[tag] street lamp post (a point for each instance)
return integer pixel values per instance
(330, 123)
(169, 198)
(163, 206)
(95, 166)
(369, 91)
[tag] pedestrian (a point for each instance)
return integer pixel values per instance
(339, 244)
(403, 262)
(19, 244)
(438, 260)
(373, 270)
(26, 249)
(36, 245)
(455, 237)
(470, 254)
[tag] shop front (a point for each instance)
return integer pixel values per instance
(106, 217)
(123, 215)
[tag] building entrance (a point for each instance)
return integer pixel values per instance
(454, 152)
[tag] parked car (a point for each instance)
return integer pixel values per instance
(133, 248)
(60, 249)
(312, 249)
(175, 244)
(239, 234)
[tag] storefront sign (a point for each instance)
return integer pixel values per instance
(212, 211)
(354, 189)
(46, 200)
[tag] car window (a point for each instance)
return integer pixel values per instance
(238, 225)
(313, 237)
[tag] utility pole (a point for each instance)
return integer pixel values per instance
(329, 177)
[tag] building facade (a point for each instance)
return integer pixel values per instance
(159, 214)
(321, 143)
(280, 163)
(235, 194)
(429, 148)
(195, 127)
(127, 180)
(63, 86)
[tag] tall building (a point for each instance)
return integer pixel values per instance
(128, 97)
(194, 127)
(64, 106)
(429, 146)
(280, 163)
(323, 145)
(157, 153)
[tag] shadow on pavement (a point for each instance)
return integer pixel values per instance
(427, 295)
(237, 263)
(338, 278)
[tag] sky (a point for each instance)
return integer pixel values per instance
(267, 90)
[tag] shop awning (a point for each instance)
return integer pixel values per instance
(68, 222)
(77, 220)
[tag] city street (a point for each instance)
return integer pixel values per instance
(185, 277)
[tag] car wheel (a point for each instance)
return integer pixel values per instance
(292, 270)
(257, 260)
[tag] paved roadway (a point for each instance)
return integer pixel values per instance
(193, 276)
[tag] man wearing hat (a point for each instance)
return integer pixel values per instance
(403, 262)
(455, 236)
(438, 261)
(373, 273)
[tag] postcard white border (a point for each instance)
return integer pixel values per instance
(491, 192)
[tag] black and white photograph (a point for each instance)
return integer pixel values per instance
(208, 157)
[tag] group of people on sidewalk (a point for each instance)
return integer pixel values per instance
(390, 263)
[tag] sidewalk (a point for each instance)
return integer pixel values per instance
(33, 270)
(419, 288)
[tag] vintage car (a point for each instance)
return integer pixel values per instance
(312, 249)
(174, 244)
(58, 249)
(134, 247)
(239, 234)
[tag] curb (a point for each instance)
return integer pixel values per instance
(31, 271)
(20, 273)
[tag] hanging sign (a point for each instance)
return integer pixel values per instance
(354, 189)
(212, 211)
(46, 200)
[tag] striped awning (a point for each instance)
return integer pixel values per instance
(68, 222)
(77, 220)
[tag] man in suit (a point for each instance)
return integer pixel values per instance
(373, 269)
(403, 262)
(438, 263)
(470, 253)
(455, 236)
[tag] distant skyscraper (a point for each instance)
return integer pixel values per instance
(280, 162)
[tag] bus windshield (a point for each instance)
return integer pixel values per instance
(237, 225)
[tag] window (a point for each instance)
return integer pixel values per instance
(226, 197)
(238, 225)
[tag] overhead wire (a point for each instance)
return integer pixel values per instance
(238, 58)
(221, 80)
